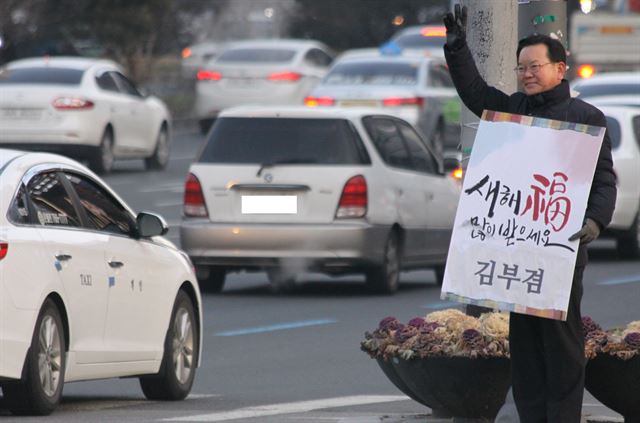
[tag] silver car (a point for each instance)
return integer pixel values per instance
(412, 87)
(277, 72)
(337, 191)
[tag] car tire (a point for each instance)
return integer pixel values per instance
(214, 282)
(160, 157)
(280, 281)
(178, 367)
(40, 390)
(439, 271)
(628, 244)
(385, 278)
(102, 160)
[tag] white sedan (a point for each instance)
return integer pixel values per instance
(330, 190)
(82, 108)
(273, 72)
(88, 289)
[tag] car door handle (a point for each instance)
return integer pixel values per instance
(63, 257)
(115, 264)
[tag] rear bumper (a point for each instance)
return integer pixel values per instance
(337, 246)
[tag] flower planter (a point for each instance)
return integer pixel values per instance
(389, 369)
(460, 386)
(616, 383)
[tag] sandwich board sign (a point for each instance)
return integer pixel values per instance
(524, 194)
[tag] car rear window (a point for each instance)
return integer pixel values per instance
(593, 90)
(613, 126)
(419, 41)
(373, 73)
(284, 140)
(43, 75)
(258, 55)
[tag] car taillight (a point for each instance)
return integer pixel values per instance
(319, 101)
(403, 101)
(186, 52)
(206, 75)
(586, 71)
(194, 205)
(457, 173)
(353, 201)
(4, 248)
(71, 103)
(284, 76)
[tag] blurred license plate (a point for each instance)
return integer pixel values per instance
(269, 204)
(242, 82)
(19, 113)
(359, 103)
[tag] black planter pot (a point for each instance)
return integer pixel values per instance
(389, 369)
(616, 384)
(462, 387)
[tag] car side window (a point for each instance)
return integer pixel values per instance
(106, 82)
(388, 142)
(104, 212)
(439, 76)
(52, 203)
(615, 132)
(19, 212)
(420, 157)
(318, 57)
(635, 122)
(125, 85)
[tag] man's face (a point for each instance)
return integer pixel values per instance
(545, 77)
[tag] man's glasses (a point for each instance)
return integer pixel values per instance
(535, 68)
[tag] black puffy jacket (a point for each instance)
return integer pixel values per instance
(555, 104)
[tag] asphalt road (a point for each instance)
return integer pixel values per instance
(295, 357)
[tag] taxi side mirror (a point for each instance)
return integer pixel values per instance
(150, 224)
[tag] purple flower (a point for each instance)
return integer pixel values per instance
(389, 323)
(633, 340)
(416, 322)
(404, 333)
(589, 325)
(429, 327)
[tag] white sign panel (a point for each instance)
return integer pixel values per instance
(524, 194)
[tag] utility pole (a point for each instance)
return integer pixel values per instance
(492, 38)
(548, 17)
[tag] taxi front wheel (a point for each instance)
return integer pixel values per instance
(180, 358)
(39, 392)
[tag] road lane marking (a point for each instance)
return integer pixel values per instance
(280, 326)
(621, 281)
(290, 408)
(440, 305)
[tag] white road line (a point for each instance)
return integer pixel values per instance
(289, 408)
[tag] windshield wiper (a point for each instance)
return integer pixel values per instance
(265, 165)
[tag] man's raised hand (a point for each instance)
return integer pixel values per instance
(456, 25)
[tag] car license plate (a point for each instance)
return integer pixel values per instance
(242, 82)
(22, 113)
(359, 103)
(269, 204)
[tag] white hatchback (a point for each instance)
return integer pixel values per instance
(337, 191)
(88, 289)
(82, 108)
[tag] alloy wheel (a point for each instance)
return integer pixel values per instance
(49, 356)
(183, 345)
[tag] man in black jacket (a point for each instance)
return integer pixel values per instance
(547, 356)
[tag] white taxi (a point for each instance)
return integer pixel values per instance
(88, 289)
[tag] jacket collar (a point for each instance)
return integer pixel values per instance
(557, 94)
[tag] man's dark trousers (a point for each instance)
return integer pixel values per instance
(545, 349)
